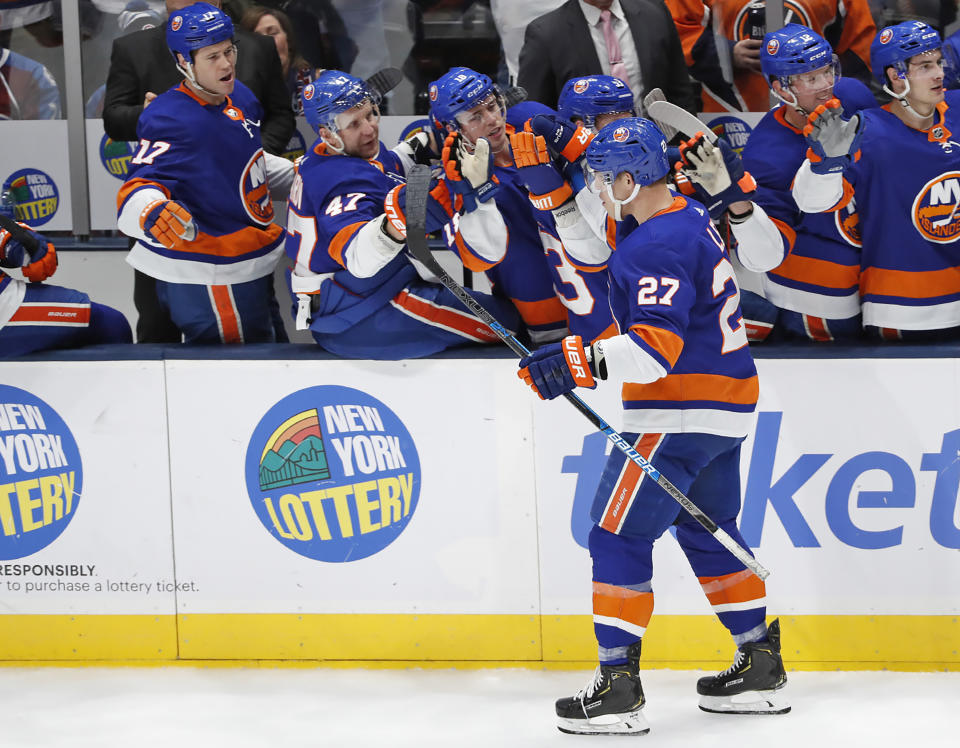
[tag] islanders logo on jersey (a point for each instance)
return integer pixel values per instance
(34, 194)
(936, 209)
(41, 476)
(581, 85)
(621, 134)
(115, 156)
(847, 222)
(254, 191)
(732, 129)
(333, 473)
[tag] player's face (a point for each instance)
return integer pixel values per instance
(925, 73)
(619, 188)
(214, 67)
(359, 128)
(814, 88)
(486, 120)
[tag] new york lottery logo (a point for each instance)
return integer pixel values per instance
(35, 196)
(333, 473)
(115, 156)
(41, 476)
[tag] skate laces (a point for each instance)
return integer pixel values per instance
(737, 661)
(588, 690)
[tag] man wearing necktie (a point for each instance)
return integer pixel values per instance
(634, 40)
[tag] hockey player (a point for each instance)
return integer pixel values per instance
(741, 24)
(198, 196)
(358, 289)
(690, 387)
(814, 293)
(909, 219)
(466, 102)
(35, 316)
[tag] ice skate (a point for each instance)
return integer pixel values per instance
(753, 684)
(611, 704)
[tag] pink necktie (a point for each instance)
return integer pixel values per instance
(617, 68)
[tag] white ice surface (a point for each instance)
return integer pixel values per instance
(273, 708)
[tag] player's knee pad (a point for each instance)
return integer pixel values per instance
(108, 325)
(620, 559)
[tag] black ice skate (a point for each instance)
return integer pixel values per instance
(753, 684)
(610, 704)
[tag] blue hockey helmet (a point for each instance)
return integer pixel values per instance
(635, 146)
(459, 90)
(894, 45)
(332, 93)
(7, 204)
(793, 50)
(585, 97)
(197, 26)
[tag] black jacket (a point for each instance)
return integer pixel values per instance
(141, 62)
(557, 46)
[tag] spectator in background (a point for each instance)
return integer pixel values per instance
(511, 19)
(27, 89)
(274, 23)
(634, 40)
(141, 67)
(730, 73)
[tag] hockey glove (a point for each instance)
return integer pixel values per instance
(395, 208)
(565, 140)
(547, 187)
(558, 368)
(38, 261)
(470, 174)
(717, 173)
(419, 148)
(834, 142)
(169, 223)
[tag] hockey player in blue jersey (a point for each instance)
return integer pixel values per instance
(900, 164)
(690, 389)
(814, 293)
(36, 316)
(198, 197)
(467, 102)
(356, 288)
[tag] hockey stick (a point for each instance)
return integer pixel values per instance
(656, 94)
(20, 234)
(666, 114)
(418, 185)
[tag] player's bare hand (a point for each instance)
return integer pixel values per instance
(746, 55)
(148, 97)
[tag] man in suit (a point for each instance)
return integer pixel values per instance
(141, 68)
(635, 40)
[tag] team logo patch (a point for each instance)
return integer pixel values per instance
(936, 209)
(886, 35)
(581, 85)
(848, 224)
(937, 132)
(308, 92)
(41, 476)
(333, 473)
(254, 190)
(793, 12)
(621, 134)
(115, 156)
(433, 92)
(773, 46)
(733, 130)
(35, 196)
(175, 23)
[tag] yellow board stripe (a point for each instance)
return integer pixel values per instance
(912, 643)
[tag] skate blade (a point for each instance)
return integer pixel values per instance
(748, 702)
(631, 723)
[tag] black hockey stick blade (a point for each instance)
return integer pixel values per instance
(384, 81)
(514, 95)
(418, 189)
(21, 234)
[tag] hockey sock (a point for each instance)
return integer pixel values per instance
(622, 592)
(738, 597)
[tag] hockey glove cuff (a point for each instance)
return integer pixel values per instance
(547, 187)
(565, 140)
(469, 174)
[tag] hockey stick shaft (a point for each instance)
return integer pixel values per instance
(418, 180)
(20, 234)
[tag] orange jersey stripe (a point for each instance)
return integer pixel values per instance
(789, 233)
(133, 185)
(52, 313)
(459, 322)
(819, 272)
(622, 497)
(680, 387)
(666, 343)
(608, 333)
(226, 314)
(248, 239)
(626, 605)
(339, 242)
(544, 312)
(739, 587)
(912, 285)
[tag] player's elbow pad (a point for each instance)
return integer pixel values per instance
(816, 193)
(486, 233)
(760, 245)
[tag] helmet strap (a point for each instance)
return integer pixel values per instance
(902, 98)
(795, 104)
(338, 149)
(618, 204)
(187, 70)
